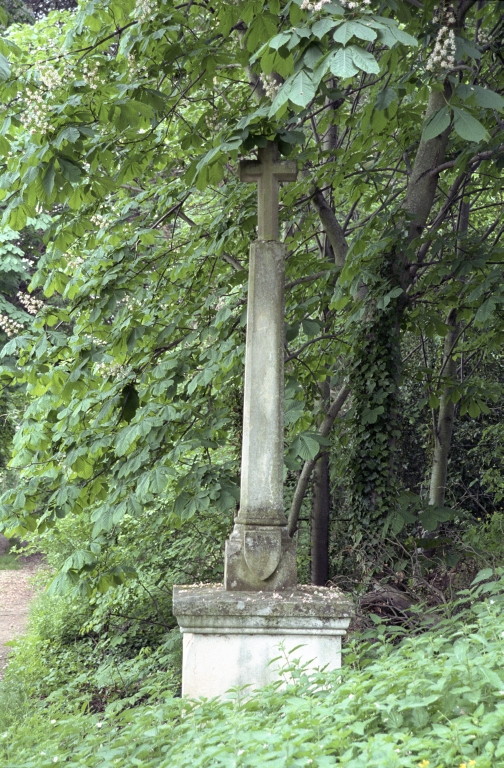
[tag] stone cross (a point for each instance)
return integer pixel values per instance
(260, 555)
(267, 172)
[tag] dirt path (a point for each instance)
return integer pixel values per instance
(16, 594)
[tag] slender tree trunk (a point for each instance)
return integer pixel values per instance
(443, 428)
(320, 522)
(321, 503)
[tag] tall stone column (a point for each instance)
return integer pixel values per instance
(260, 553)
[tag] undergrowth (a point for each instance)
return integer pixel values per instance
(9, 562)
(430, 699)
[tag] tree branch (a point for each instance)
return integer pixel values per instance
(331, 227)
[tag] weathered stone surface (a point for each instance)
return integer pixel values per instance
(244, 639)
(238, 573)
(267, 172)
(259, 553)
(261, 491)
(214, 664)
(214, 603)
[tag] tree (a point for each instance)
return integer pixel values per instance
(125, 122)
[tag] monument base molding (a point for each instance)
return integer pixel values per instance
(238, 639)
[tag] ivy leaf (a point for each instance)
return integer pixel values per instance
(436, 123)
(468, 127)
(342, 64)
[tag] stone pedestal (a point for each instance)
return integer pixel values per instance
(235, 639)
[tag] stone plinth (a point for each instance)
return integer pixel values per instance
(233, 638)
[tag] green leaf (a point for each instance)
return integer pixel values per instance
(342, 64)
(48, 179)
(436, 123)
(70, 170)
(70, 133)
(482, 575)
(364, 60)
(301, 89)
(323, 26)
(468, 127)
(5, 70)
(279, 40)
(311, 327)
(344, 33)
(364, 32)
(484, 97)
(385, 98)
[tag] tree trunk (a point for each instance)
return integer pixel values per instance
(444, 428)
(321, 503)
(320, 522)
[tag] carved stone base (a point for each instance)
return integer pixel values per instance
(260, 559)
(245, 639)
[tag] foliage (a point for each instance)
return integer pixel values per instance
(125, 122)
(442, 706)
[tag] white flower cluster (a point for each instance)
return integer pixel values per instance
(443, 55)
(75, 262)
(114, 370)
(30, 303)
(269, 85)
(99, 220)
(131, 303)
(134, 68)
(9, 326)
(47, 79)
(144, 9)
(90, 74)
(35, 118)
(352, 5)
(51, 77)
(484, 37)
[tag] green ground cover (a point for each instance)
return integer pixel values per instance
(432, 698)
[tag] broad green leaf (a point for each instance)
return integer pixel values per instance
(342, 64)
(70, 133)
(385, 98)
(484, 97)
(323, 26)
(279, 40)
(364, 60)
(436, 123)
(344, 33)
(301, 89)
(364, 32)
(4, 68)
(468, 127)
(48, 178)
